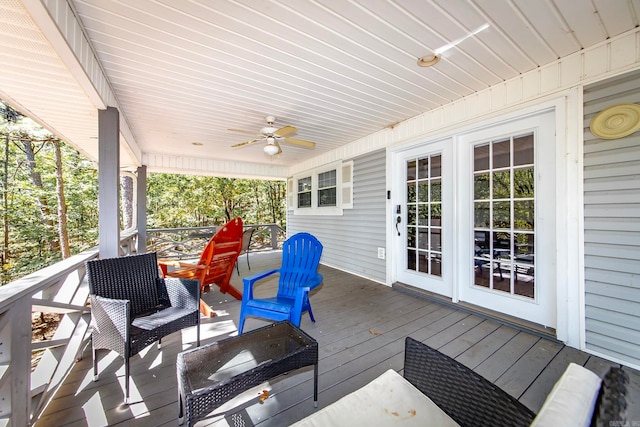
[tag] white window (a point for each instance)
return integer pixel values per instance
(304, 192)
(326, 190)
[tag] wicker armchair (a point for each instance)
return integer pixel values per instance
(132, 307)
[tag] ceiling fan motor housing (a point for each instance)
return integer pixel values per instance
(270, 128)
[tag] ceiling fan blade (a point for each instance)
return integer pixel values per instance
(244, 131)
(279, 148)
(300, 142)
(285, 131)
(242, 144)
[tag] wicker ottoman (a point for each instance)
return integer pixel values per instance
(213, 374)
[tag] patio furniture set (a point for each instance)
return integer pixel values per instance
(132, 307)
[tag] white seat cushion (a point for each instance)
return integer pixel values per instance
(572, 399)
(389, 400)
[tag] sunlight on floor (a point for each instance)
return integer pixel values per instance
(156, 362)
(94, 412)
(107, 360)
(209, 331)
(137, 407)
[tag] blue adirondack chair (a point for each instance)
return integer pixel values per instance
(298, 276)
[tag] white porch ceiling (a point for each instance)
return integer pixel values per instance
(187, 71)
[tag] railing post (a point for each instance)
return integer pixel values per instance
(274, 236)
(15, 352)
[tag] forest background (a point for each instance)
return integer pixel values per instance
(50, 199)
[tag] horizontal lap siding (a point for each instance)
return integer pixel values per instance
(351, 241)
(612, 229)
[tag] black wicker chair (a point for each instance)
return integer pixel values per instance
(471, 400)
(133, 307)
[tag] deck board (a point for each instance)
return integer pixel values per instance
(360, 329)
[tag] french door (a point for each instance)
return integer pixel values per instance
(506, 196)
(474, 217)
(423, 235)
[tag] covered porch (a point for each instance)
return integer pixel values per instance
(360, 331)
(150, 87)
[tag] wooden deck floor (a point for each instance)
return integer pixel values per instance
(360, 329)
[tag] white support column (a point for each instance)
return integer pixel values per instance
(109, 182)
(141, 208)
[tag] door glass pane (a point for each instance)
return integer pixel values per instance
(523, 215)
(481, 157)
(424, 215)
(436, 215)
(423, 191)
(436, 239)
(504, 216)
(482, 214)
(436, 265)
(501, 185)
(423, 262)
(501, 154)
(411, 259)
(501, 214)
(411, 237)
(411, 170)
(423, 238)
(524, 267)
(411, 215)
(523, 150)
(481, 186)
(423, 168)
(436, 190)
(436, 166)
(411, 192)
(523, 182)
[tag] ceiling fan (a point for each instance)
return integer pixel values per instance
(273, 136)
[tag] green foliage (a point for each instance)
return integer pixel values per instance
(175, 201)
(30, 213)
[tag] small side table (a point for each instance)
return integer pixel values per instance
(210, 375)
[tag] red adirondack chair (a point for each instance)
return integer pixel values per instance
(215, 265)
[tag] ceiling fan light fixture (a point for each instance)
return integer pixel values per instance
(429, 59)
(271, 149)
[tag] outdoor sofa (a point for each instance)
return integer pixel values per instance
(438, 391)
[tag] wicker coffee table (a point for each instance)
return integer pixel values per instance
(213, 374)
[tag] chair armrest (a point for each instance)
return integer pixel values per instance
(259, 276)
(180, 269)
(110, 318)
(249, 281)
(314, 282)
(182, 293)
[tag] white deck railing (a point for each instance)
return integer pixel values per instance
(60, 288)
(180, 243)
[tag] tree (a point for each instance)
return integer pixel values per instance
(63, 235)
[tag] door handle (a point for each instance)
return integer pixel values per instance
(398, 221)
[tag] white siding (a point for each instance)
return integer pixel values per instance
(351, 241)
(612, 228)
